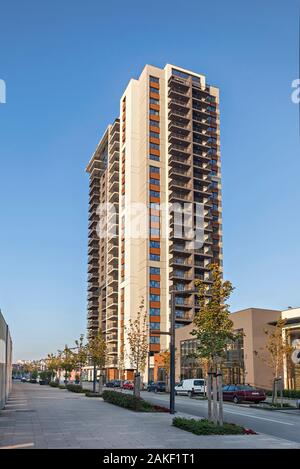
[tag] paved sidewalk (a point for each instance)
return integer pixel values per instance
(43, 417)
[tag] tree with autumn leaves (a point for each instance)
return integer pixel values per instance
(137, 333)
(214, 330)
(274, 353)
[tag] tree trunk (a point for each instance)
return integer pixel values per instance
(209, 389)
(137, 385)
(220, 393)
(215, 400)
(100, 383)
(94, 378)
(273, 391)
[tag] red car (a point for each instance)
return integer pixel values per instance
(242, 392)
(128, 385)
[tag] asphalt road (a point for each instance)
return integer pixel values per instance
(282, 424)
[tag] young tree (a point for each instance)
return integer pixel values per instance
(138, 341)
(97, 353)
(213, 329)
(80, 356)
(164, 357)
(67, 361)
(53, 364)
(275, 351)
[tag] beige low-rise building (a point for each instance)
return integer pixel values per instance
(244, 362)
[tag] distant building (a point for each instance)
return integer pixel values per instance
(243, 362)
(291, 332)
(5, 361)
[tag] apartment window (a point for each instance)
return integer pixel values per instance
(154, 326)
(213, 161)
(155, 270)
(154, 232)
(214, 184)
(154, 123)
(215, 207)
(154, 257)
(155, 146)
(213, 173)
(154, 194)
(154, 181)
(179, 301)
(155, 244)
(154, 297)
(154, 79)
(154, 157)
(154, 169)
(154, 101)
(154, 312)
(154, 112)
(154, 206)
(154, 340)
(153, 90)
(154, 134)
(215, 218)
(154, 284)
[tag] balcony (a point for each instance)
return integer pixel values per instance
(181, 248)
(183, 316)
(112, 349)
(180, 161)
(180, 85)
(93, 294)
(179, 150)
(181, 118)
(111, 337)
(177, 182)
(114, 169)
(93, 324)
(111, 326)
(114, 196)
(180, 172)
(112, 291)
(179, 138)
(180, 275)
(93, 304)
(93, 315)
(180, 196)
(180, 262)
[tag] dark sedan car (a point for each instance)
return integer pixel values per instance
(115, 383)
(243, 393)
(157, 386)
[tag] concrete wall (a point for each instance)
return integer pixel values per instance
(5, 361)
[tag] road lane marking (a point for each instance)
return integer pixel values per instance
(256, 417)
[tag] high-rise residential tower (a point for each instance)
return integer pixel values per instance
(159, 165)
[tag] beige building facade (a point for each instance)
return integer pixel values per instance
(244, 362)
(159, 166)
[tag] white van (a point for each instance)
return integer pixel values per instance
(190, 387)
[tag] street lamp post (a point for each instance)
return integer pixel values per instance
(172, 345)
(172, 354)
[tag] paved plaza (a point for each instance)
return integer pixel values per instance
(43, 417)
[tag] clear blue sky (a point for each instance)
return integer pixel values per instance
(65, 65)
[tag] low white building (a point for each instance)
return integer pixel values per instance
(291, 331)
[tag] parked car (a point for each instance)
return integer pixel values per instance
(23, 380)
(33, 381)
(114, 383)
(242, 392)
(157, 386)
(128, 385)
(190, 387)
